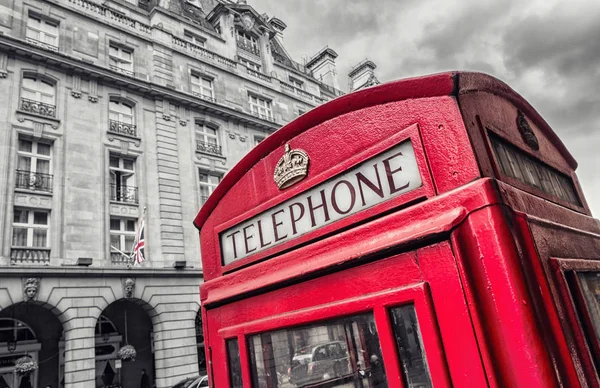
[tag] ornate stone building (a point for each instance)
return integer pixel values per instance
(112, 112)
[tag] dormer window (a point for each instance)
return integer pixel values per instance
(247, 42)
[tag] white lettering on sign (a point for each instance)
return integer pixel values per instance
(385, 176)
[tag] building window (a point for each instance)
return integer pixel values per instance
(38, 96)
(258, 139)
(122, 180)
(250, 65)
(261, 107)
(207, 139)
(122, 238)
(42, 32)
(208, 183)
(296, 83)
(30, 240)
(202, 87)
(193, 38)
(121, 59)
(121, 118)
(33, 165)
(247, 42)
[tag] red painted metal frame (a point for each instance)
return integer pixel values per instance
(425, 191)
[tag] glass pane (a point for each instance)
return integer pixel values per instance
(214, 179)
(39, 238)
(25, 145)
(114, 51)
(211, 131)
(340, 353)
(235, 369)
(410, 347)
(203, 177)
(115, 224)
(129, 241)
(114, 161)
(20, 216)
(207, 83)
(40, 218)
(19, 237)
(590, 285)
(24, 163)
(42, 166)
(115, 241)
(128, 164)
(130, 227)
(43, 149)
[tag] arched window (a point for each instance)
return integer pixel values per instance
(13, 330)
(38, 95)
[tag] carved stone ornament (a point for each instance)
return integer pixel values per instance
(247, 21)
(527, 132)
(291, 168)
(31, 288)
(128, 287)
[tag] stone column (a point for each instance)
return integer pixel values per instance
(80, 365)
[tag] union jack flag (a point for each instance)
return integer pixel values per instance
(138, 247)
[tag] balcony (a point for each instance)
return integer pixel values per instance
(204, 97)
(121, 70)
(41, 44)
(124, 194)
(209, 148)
(29, 255)
(258, 75)
(201, 52)
(34, 181)
(105, 13)
(246, 46)
(121, 128)
(118, 259)
(263, 116)
(36, 107)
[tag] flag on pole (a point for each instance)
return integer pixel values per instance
(139, 245)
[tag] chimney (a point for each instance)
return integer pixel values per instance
(362, 76)
(278, 25)
(322, 66)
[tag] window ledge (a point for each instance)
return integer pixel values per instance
(216, 156)
(112, 135)
(36, 192)
(54, 122)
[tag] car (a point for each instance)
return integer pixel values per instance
(319, 362)
(192, 382)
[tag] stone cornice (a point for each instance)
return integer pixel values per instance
(75, 271)
(66, 63)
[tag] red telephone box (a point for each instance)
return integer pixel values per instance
(425, 232)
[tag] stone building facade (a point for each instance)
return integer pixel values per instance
(113, 113)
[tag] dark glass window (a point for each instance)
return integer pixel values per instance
(410, 347)
(235, 368)
(340, 353)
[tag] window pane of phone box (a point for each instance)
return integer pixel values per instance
(235, 369)
(410, 347)
(339, 353)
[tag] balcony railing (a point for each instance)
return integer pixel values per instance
(107, 13)
(258, 75)
(248, 47)
(117, 258)
(34, 181)
(121, 70)
(209, 148)
(204, 97)
(125, 194)
(37, 107)
(122, 128)
(28, 255)
(198, 51)
(41, 44)
(263, 116)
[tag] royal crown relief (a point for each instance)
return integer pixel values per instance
(291, 168)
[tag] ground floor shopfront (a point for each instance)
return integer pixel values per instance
(72, 322)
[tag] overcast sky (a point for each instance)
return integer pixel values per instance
(547, 50)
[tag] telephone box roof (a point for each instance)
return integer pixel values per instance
(436, 85)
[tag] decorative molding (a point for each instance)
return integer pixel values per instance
(111, 137)
(93, 96)
(38, 129)
(31, 286)
(232, 136)
(166, 117)
(242, 139)
(76, 89)
(183, 123)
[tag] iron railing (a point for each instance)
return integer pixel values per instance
(262, 116)
(29, 255)
(41, 44)
(209, 148)
(37, 107)
(204, 97)
(125, 194)
(34, 181)
(248, 47)
(117, 258)
(121, 70)
(122, 128)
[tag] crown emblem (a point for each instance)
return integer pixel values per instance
(291, 168)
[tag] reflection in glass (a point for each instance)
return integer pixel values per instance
(410, 347)
(590, 287)
(235, 368)
(340, 353)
